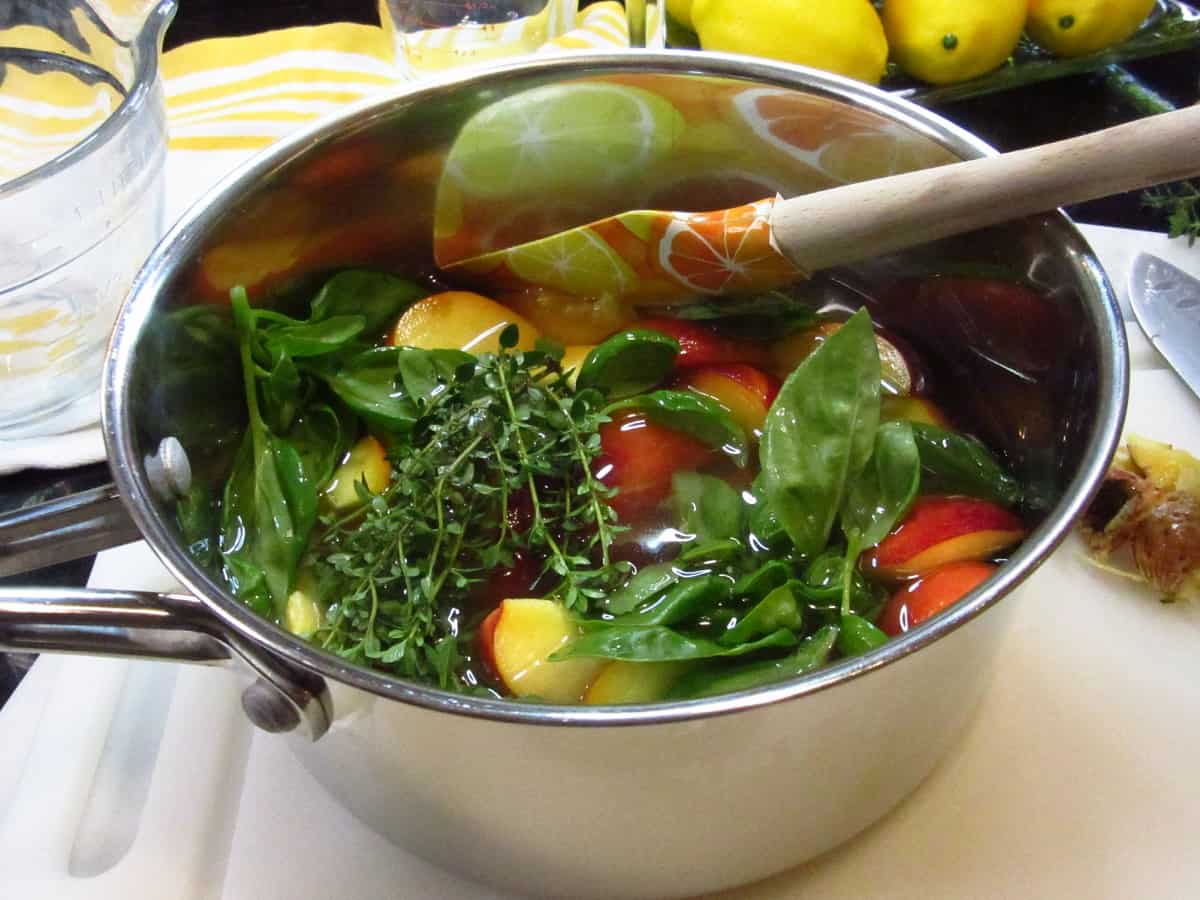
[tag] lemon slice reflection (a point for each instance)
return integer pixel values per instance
(581, 135)
(575, 262)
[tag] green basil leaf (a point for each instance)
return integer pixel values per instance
(858, 636)
(693, 414)
(820, 432)
(686, 601)
(882, 493)
(709, 552)
(426, 374)
(640, 589)
(267, 514)
(628, 363)
(954, 463)
(376, 296)
(824, 583)
(709, 680)
(706, 506)
(757, 584)
(314, 339)
(298, 489)
(270, 502)
(281, 391)
(657, 643)
(321, 435)
(767, 316)
(248, 582)
(198, 517)
(825, 573)
(366, 382)
(766, 531)
(776, 610)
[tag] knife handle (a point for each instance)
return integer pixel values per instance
(857, 221)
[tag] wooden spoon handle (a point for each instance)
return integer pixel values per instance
(851, 223)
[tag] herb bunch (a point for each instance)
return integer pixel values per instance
(497, 465)
(1181, 203)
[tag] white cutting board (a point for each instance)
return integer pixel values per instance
(1078, 777)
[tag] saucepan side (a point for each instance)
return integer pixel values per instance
(661, 800)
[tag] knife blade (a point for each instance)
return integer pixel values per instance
(1166, 304)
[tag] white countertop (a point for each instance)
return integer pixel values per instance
(1077, 777)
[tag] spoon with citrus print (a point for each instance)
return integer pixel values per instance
(651, 256)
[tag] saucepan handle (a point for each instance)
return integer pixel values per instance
(61, 530)
(172, 627)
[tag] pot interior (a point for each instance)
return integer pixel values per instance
(568, 141)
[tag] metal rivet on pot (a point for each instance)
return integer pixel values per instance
(168, 470)
(267, 708)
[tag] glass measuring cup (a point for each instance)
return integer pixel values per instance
(81, 195)
(432, 35)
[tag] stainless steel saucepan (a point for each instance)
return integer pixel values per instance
(651, 801)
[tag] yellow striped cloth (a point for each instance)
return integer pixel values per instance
(224, 94)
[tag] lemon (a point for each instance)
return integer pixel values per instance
(1079, 27)
(944, 41)
(681, 12)
(841, 36)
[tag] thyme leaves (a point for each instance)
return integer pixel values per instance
(498, 465)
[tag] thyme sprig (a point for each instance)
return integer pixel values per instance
(498, 465)
(1181, 203)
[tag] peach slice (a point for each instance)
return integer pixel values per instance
(700, 345)
(516, 641)
(567, 318)
(460, 320)
(926, 596)
(367, 462)
(913, 408)
(303, 613)
(745, 391)
(939, 530)
(624, 682)
(638, 458)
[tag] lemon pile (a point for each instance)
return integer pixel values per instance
(937, 41)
